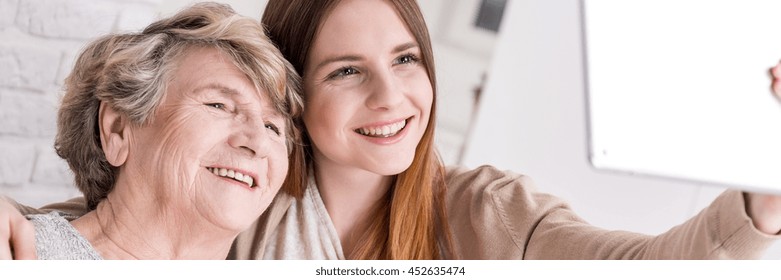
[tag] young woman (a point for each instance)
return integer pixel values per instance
(370, 185)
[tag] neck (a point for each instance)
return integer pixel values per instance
(349, 195)
(126, 226)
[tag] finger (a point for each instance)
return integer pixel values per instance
(5, 245)
(776, 71)
(23, 240)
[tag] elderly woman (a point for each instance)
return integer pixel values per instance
(178, 137)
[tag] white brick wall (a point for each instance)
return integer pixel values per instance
(66, 19)
(39, 40)
(7, 12)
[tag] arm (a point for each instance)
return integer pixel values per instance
(500, 215)
(75, 207)
(721, 231)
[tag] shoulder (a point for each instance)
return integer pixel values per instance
(48, 222)
(487, 180)
(56, 238)
(251, 243)
(492, 213)
(487, 186)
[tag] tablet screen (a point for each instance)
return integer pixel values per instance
(681, 88)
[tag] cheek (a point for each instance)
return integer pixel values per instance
(280, 172)
(189, 133)
(325, 116)
(278, 165)
(173, 148)
(428, 101)
(423, 95)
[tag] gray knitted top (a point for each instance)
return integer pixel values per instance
(57, 239)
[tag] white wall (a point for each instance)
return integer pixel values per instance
(532, 120)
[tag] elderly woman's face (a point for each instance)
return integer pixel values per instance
(216, 146)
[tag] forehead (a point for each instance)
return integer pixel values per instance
(362, 25)
(205, 65)
(209, 68)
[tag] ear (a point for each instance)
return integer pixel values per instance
(114, 134)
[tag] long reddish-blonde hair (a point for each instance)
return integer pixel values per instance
(411, 222)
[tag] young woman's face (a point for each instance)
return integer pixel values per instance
(367, 91)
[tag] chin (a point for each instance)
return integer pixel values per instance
(394, 166)
(237, 224)
(236, 220)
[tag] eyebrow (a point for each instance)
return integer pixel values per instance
(337, 59)
(224, 90)
(229, 92)
(397, 49)
(404, 47)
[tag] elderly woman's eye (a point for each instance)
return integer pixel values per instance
(219, 106)
(273, 128)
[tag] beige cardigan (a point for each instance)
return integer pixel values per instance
(496, 214)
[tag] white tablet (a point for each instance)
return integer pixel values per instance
(681, 88)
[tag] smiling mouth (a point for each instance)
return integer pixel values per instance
(234, 175)
(383, 131)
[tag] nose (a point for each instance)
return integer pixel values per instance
(251, 137)
(386, 91)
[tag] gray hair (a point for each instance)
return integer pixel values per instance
(130, 73)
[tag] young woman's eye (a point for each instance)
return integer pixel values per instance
(343, 72)
(273, 128)
(407, 59)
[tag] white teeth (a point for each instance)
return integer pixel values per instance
(383, 131)
(238, 176)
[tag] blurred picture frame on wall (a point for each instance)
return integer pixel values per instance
(475, 24)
